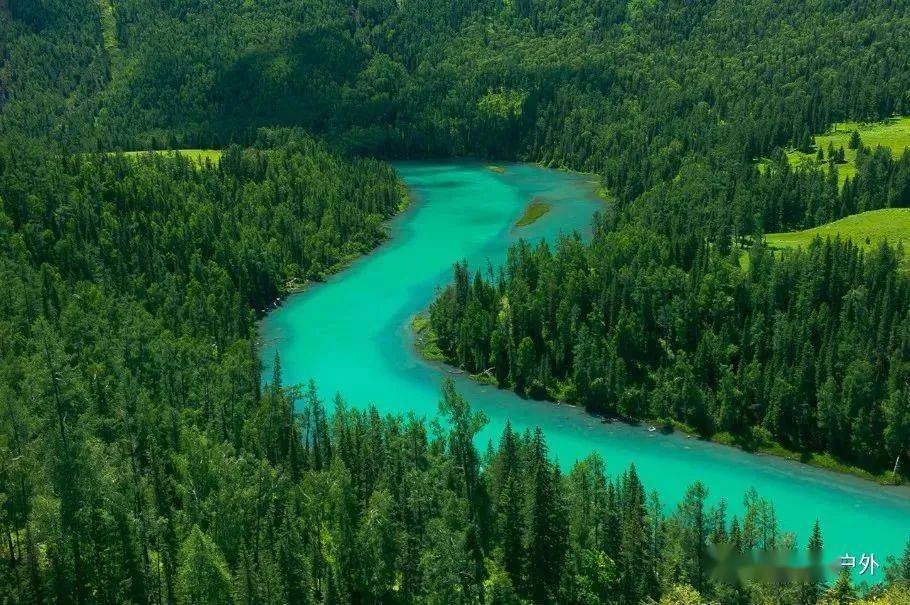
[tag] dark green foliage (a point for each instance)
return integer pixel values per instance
(635, 91)
(809, 346)
(142, 460)
(128, 371)
(897, 570)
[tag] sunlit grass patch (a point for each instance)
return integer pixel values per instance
(199, 156)
(893, 134)
(425, 339)
(866, 230)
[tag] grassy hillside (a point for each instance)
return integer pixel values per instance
(893, 134)
(866, 229)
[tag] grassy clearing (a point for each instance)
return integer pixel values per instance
(866, 230)
(535, 210)
(893, 134)
(426, 344)
(199, 156)
(603, 194)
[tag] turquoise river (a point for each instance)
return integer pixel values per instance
(351, 335)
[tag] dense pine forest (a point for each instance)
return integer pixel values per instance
(128, 350)
(145, 459)
(808, 350)
(668, 97)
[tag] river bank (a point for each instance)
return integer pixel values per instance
(296, 285)
(425, 343)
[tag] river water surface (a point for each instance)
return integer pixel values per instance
(351, 336)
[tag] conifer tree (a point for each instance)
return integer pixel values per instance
(842, 592)
(203, 578)
(855, 141)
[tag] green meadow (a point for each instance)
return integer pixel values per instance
(893, 134)
(866, 230)
(199, 156)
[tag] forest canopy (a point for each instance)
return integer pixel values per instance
(145, 459)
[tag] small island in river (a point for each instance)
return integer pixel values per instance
(534, 212)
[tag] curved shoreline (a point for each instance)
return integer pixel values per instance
(424, 344)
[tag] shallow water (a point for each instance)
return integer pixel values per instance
(351, 336)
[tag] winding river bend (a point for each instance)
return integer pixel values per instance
(351, 335)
